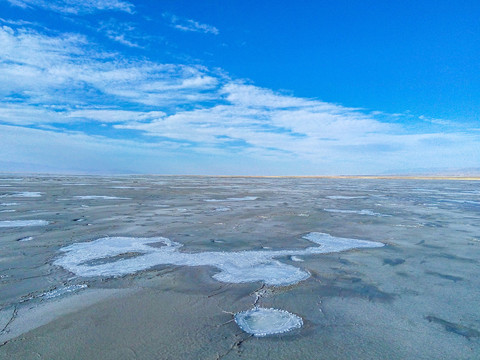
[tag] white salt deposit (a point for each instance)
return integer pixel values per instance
(102, 197)
(342, 197)
(359, 212)
(23, 194)
(262, 322)
(20, 223)
(246, 198)
(125, 187)
(296, 258)
(118, 256)
(26, 238)
(62, 291)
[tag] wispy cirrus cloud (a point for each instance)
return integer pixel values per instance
(121, 32)
(35, 67)
(76, 7)
(189, 25)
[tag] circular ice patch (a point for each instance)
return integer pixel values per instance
(263, 322)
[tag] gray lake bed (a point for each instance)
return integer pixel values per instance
(157, 267)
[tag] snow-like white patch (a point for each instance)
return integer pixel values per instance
(8, 204)
(222, 209)
(7, 210)
(126, 187)
(118, 256)
(100, 197)
(246, 198)
(262, 322)
(20, 223)
(26, 238)
(62, 291)
(296, 258)
(359, 212)
(23, 194)
(342, 197)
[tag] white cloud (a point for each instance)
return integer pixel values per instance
(114, 115)
(121, 32)
(67, 69)
(75, 6)
(190, 25)
(190, 110)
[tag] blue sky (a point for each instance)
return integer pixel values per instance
(239, 87)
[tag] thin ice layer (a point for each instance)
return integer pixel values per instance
(21, 223)
(262, 322)
(110, 257)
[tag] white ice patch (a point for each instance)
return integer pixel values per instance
(23, 194)
(20, 223)
(262, 322)
(222, 209)
(359, 212)
(118, 256)
(100, 197)
(7, 210)
(246, 198)
(8, 204)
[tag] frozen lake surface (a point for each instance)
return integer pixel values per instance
(227, 268)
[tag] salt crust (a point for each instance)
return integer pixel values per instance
(118, 256)
(26, 238)
(62, 291)
(21, 223)
(359, 212)
(100, 197)
(246, 198)
(262, 321)
(23, 194)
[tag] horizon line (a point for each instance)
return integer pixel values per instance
(366, 177)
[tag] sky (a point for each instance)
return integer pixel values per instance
(245, 87)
